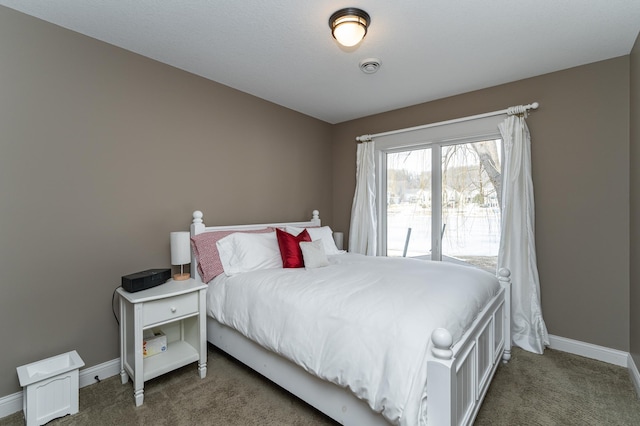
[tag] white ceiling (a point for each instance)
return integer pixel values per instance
(282, 50)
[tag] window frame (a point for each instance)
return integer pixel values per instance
(434, 138)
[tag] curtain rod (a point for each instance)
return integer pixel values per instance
(520, 109)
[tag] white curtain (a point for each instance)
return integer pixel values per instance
(362, 233)
(517, 243)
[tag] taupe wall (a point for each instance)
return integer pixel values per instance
(102, 154)
(580, 155)
(635, 201)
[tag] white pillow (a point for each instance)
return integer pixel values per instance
(313, 254)
(244, 252)
(323, 233)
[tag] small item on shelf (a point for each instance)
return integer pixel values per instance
(153, 343)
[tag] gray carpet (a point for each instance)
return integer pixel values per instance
(553, 389)
(558, 388)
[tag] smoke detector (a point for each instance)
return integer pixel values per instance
(369, 65)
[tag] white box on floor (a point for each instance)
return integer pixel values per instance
(51, 387)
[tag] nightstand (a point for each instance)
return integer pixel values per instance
(177, 309)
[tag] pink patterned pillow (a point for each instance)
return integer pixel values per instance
(206, 252)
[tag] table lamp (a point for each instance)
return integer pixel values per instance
(181, 253)
(338, 237)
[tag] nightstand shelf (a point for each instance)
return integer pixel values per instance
(177, 308)
(178, 354)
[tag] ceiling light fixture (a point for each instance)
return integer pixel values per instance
(349, 25)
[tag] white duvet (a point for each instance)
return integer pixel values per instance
(362, 322)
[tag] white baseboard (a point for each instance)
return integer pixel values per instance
(13, 403)
(589, 350)
(10, 404)
(103, 371)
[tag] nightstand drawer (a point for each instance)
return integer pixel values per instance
(169, 308)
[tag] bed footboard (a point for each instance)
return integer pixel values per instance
(459, 375)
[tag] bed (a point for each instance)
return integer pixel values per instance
(456, 343)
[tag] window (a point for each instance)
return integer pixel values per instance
(471, 192)
(459, 224)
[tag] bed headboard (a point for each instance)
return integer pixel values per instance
(198, 227)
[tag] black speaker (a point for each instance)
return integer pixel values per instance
(145, 279)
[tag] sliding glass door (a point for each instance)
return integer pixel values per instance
(461, 223)
(408, 195)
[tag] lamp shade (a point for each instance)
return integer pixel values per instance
(338, 237)
(180, 248)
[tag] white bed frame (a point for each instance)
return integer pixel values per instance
(458, 375)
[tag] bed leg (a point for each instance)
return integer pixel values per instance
(504, 276)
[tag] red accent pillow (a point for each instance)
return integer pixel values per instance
(290, 248)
